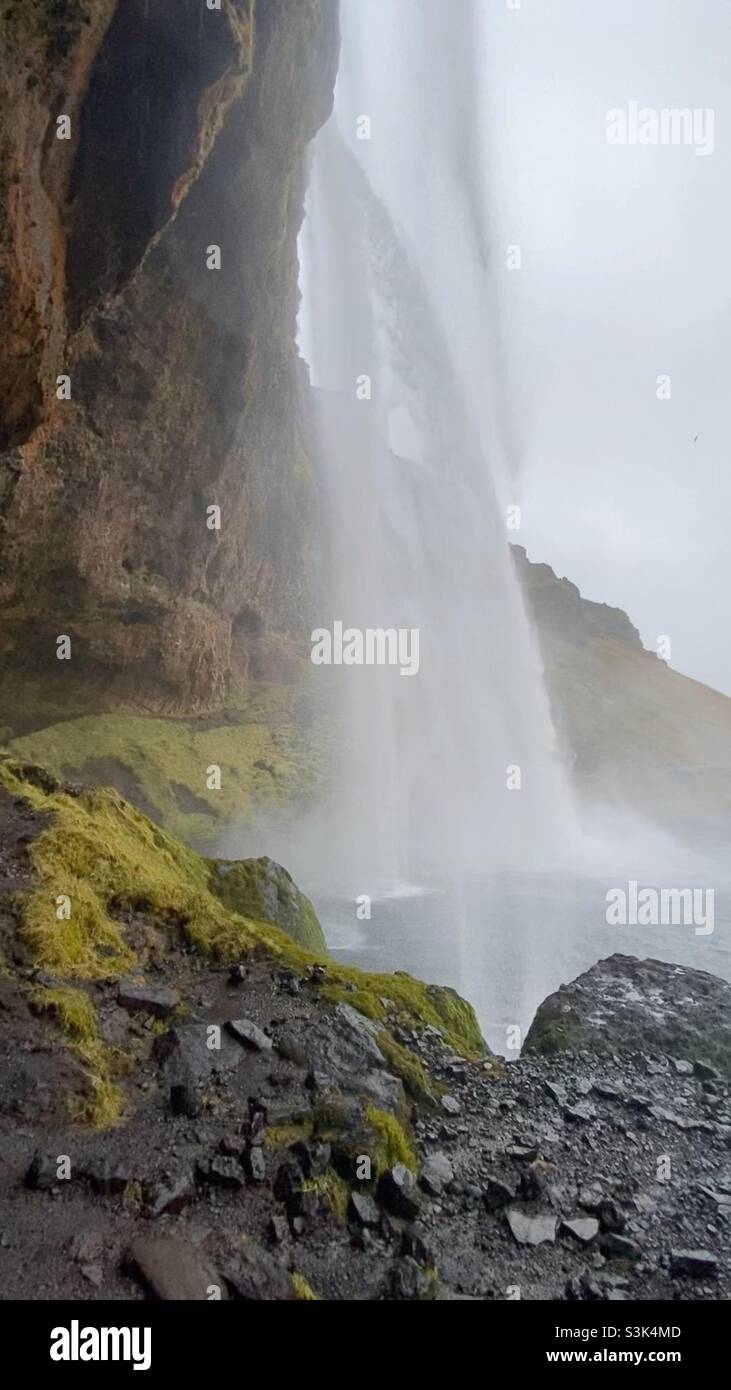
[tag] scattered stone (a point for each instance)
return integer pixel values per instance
(682, 1067)
(277, 1229)
(436, 1173)
(184, 1099)
(450, 1105)
(693, 1264)
(363, 1209)
(620, 1247)
(94, 1274)
(581, 1113)
(86, 1247)
(556, 1092)
(258, 1276)
(186, 1056)
(604, 1091)
(42, 1174)
(108, 1178)
(522, 1152)
(529, 1229)
(221, 1172)
(399, 1193)
(582, 1228)
(170, 1197)
(255, 1164)
(157, 1000)
(497, 1194)
(237, 974)
(249, 1034)
(705, 1072)
(313, 1157)
(408, 1281)
(611, 1216)
(173, 1269)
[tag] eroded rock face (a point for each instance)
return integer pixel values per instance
(188, 130)
(626, 1005)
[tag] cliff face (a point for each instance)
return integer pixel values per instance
(636, 733)
(188, 129)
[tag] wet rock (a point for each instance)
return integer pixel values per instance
(237, 975)
(342, 1050)
(620, 1247)
(693, 1264)
(172, 1269)
(399, 1193)
(530, 1229)
(497, 1194)
(249, 1034)
(186, 1057)
(582, 1228)
(623, 1005)
(157, 1000)
(611, 1216)
(363, 1210)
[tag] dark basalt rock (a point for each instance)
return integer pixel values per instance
(627, 1005)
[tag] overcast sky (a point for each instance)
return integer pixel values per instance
(626, 275)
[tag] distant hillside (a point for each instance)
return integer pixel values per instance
(635, 731)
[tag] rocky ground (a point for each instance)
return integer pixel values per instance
(571, 1176)
(269, 1125)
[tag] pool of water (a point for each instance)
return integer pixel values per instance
(508, 941)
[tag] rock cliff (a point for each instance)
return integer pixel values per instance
(140, 388)
(637, 734)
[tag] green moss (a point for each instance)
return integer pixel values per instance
(267, 760)
(381, 1137)
(409, 1068)
(302, 1289)
(261, 889)
(103, 854)
(284, 1136)
(414, 1003)
(76, 1016)
(553, 1031)
(333, 1189)
(393, 1145)
(73, 1010)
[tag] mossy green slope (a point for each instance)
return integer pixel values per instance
(269, 751)
(97, 858)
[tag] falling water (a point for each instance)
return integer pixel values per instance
(395, 287)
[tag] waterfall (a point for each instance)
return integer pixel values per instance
(398, 330)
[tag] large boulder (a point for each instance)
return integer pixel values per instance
(628, 1005)
(261, 889)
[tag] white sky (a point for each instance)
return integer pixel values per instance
(626, 274)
